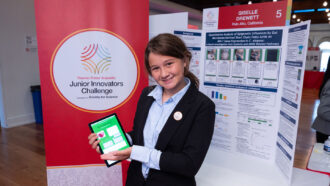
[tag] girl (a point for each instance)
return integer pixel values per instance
(173, 123)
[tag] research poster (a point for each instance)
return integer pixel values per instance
(255, 78)
(293, 77)
(241, 75)
(193, 40)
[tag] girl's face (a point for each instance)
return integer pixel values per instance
(168, 72)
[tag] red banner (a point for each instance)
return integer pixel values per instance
(91, 65)
(254, 15)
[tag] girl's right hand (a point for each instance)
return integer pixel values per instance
(94, 142)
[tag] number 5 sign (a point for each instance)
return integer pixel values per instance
(278, 14)
(255, 15)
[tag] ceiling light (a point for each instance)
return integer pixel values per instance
(294, 16)
(298, 20)
(325, 3)
(329, 18)
(328, 14)
(327, 10)
(274, 0)
(250, 2)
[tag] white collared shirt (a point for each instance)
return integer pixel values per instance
(159, 113)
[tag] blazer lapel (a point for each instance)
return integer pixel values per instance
(171, 124)
(144, 114)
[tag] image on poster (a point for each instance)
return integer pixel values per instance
(94, 70)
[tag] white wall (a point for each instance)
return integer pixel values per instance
(18, 69)
(167, 23)
(164, 7)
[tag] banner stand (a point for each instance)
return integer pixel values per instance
(91, 65)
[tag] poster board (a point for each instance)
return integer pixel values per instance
(192, 40)
(255, 78)
(292, 77)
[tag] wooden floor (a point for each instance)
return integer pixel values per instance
(22, 152)
(22, 156)
(306, 135)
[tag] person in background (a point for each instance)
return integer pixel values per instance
(322, 122)
(173, 124)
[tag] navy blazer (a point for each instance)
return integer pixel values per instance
(183, 143)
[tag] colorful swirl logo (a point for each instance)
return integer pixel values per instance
(210, 16)
(95, 58)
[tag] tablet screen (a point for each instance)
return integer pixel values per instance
(110, 134)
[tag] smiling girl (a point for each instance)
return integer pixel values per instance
(173, 123)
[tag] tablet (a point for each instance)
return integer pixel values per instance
(111, 135)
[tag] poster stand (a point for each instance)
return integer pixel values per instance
(83, 53)
(257, 100)
(255, 78)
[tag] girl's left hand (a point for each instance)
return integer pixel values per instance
(117, 155)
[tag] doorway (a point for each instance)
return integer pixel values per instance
(325, 48)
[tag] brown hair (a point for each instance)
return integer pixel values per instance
(170, 45)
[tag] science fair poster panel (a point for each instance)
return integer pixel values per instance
(291, 93)
(241, 75)
(91, 65)
(255, 76)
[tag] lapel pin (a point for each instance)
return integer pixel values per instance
(177, 115)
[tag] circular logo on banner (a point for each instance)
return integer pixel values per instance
(94, 70)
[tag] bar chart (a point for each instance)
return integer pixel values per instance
(218, 95)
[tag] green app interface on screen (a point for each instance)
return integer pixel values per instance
(110, 134)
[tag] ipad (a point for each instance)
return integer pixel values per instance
(111, 135)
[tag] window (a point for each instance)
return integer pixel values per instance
(325, 48)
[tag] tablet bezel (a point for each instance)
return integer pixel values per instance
(121, 128)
